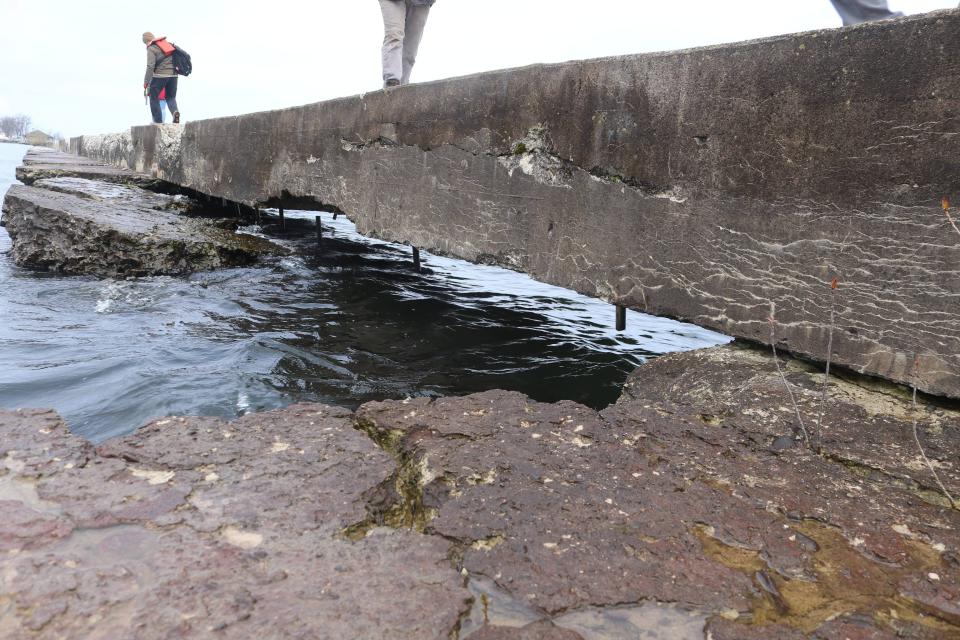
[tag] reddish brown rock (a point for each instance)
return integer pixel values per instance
(678, 494)
(541, 630)
(196, 526)
(687, 509)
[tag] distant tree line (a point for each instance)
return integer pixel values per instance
(15, 126)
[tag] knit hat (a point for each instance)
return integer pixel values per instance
(148, 37)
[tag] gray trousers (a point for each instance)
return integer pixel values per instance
(857, 11)
(403, 25)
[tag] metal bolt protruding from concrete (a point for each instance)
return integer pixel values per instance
(621, 317)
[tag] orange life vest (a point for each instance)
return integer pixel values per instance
(165, 47)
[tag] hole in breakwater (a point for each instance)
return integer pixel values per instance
(346, 325)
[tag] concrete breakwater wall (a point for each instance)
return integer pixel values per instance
(707, 185)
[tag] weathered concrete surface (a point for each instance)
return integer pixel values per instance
(702, 184)
(534, 631)
(46, 163)
(684, 508)
(683, 493)
(199, 528)
(76, 225)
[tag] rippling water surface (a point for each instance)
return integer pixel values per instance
(352, 324)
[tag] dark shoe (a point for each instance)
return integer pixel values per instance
(392, 82)
(176, 117)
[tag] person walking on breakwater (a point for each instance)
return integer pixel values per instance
(160, 77)
(857, 11)
(403, 23)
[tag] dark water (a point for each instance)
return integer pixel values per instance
(351, 325)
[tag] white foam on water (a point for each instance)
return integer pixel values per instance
(243, 403)
(109, 293)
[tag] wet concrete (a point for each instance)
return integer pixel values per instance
(77, 218)
(678, 512)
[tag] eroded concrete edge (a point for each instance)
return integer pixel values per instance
(722, 186)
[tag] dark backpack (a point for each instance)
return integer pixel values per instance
(182, 65)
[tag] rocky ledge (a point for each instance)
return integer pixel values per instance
(42, 163)
(82, 218)
(689, 509)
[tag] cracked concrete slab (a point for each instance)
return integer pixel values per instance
(46, 163)
(684, 493)
(113, 228)
(199, 527)
(688, 508)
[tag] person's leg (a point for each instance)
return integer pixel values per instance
(156, 86)
(857, 11)
(163, 107)
(172, 98)
(416, 20)
(394, 19)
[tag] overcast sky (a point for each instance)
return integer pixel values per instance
(76, 66)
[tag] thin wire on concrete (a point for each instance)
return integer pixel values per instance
(776, 361)
(916, 437)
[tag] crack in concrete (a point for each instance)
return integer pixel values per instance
(398, 502)
(928, 493)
